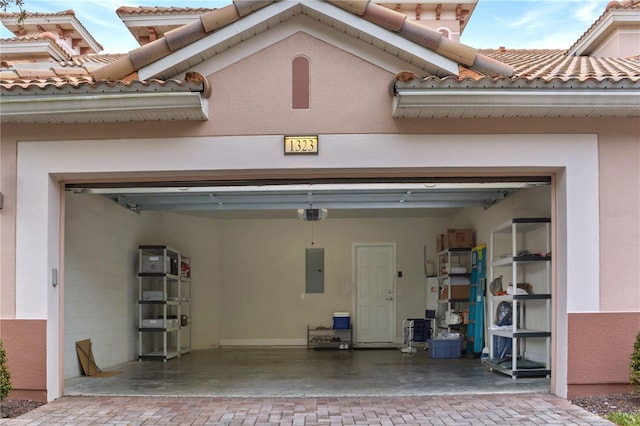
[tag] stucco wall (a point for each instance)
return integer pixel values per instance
(348, 95)
(619, 155)
(600, 347)
(25, 344)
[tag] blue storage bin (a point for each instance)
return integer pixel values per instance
(445, 348)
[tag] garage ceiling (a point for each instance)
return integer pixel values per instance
(341, 199)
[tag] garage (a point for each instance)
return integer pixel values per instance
(246, 243)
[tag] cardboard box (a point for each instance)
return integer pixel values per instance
(457, 292)
(458, 238)
(439, 243)
(445, 348)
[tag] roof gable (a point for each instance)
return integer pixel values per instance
(376, 25)
(272, 24)
(619, 16)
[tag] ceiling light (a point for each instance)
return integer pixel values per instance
(312, 214)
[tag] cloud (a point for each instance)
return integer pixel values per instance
(589, 11)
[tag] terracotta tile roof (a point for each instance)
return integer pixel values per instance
(157, 10)
(38, 14)
(87, 72)
(549, 65)
(86, 85)
(25, 75)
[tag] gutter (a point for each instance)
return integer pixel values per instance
(516, 103)
(104, 108)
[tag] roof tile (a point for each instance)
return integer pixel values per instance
(219, 18)
(549, 65)
(34, 73)
(158, 10)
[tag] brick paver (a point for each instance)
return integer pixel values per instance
(494, 409)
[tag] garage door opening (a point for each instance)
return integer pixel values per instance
(247, 247)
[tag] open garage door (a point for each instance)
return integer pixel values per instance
(247, 239)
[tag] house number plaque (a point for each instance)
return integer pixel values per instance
(294, 145)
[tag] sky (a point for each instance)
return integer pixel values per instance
(517, 24)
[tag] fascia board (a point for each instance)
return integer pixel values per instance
(518, 99)
(21, 108)
(158, 21)
(315, 29)
(450, 67)
(34, 47)
(220, 37)
(196, 48)
(607, 25)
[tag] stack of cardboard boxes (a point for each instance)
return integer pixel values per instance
(455, 238)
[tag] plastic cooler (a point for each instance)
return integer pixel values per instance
(341, 320)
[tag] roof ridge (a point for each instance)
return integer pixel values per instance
(139, 10)
(27, 14)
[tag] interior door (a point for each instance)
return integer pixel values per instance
(375, 293)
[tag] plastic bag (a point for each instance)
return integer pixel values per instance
(504, 313)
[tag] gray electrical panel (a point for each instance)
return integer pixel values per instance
(314, 270)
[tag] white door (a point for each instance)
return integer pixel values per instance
(375, 293)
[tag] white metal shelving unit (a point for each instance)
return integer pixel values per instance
(527, 261)
(164, 303)
(460, 257)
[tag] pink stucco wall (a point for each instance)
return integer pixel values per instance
(350, 95)
(25, 345)
(619, 155)
(600, 347)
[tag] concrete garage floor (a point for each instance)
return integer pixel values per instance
(266, 372)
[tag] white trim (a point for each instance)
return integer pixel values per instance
(574, 156)
(104, 108)
(482, 103)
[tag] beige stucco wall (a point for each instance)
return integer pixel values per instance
(619, 154)
(622, 43)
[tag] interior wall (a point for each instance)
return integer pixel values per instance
(263, 273)
(200, 239)
(100, 288)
